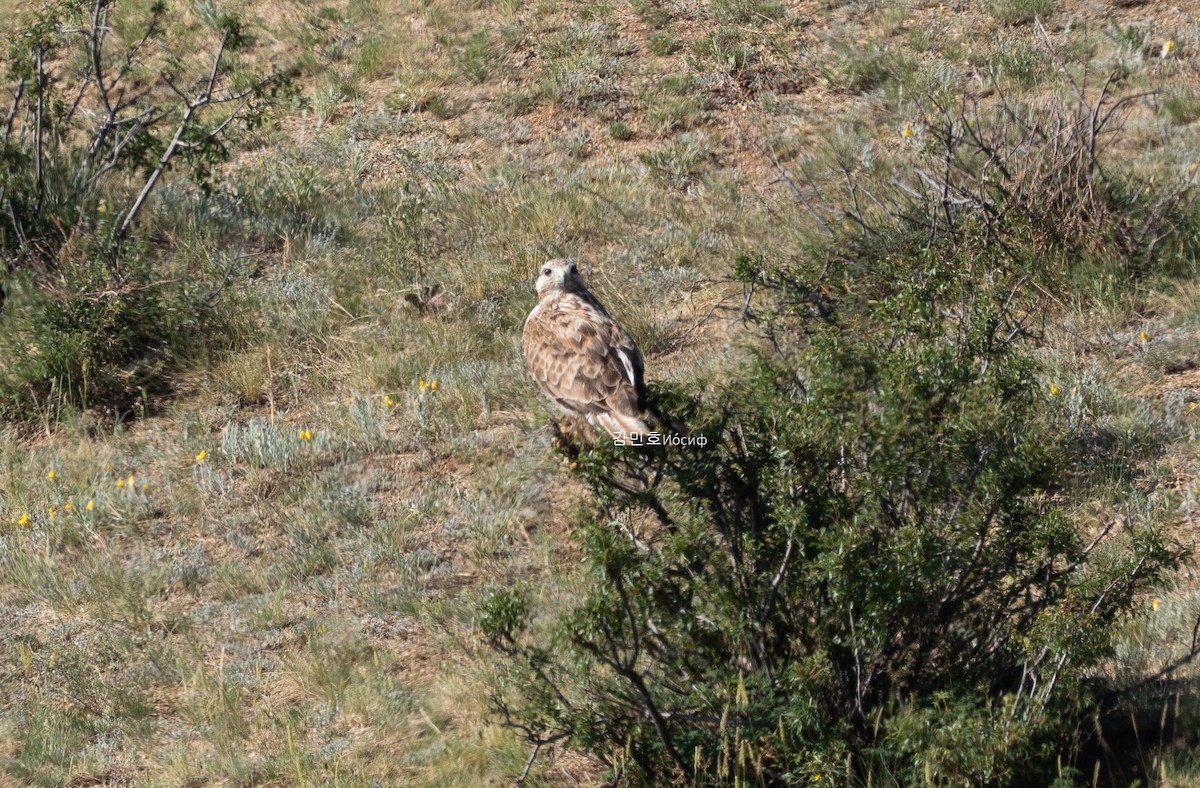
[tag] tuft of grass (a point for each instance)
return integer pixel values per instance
(619, 130)
(1023, 64)
(1182, 107)
(663, 44)
(856, 68)
(892, 19)
(748, 12)
(726, 49)
(674, 104)
(477, 57)
(677, 165)
(1020, 12)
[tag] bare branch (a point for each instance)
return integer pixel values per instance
(12, 111)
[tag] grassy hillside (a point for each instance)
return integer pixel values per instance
(264, 561)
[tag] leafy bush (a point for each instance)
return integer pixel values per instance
(98, 119)
(79, 340)
(870, 568)
(874, 568)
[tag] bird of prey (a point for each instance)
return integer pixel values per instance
(581, 358)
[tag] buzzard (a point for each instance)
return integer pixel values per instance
(581, 358)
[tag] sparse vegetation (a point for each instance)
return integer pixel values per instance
(1020, 12)
(271, 474)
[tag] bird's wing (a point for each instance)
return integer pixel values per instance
(582, 359)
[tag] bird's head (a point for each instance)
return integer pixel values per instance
(559, 276)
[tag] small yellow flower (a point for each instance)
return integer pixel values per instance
(388, 401)
(423, 384)
(102, 208)
(908, 130)
(305, 435)
(120, 484)
(90, 505)
(1193, 166)
(434, 385)
(1145, 336)
(202, 456)
(69, 506)
(23, 519)
(145, 486)
(1167, 48)
(1154, 603)
(131, 481)
(53, 512)
(1053, 390)
(1191, 406)
(51, 474)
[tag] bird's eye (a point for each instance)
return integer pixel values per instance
(545, 272)
(574, 270)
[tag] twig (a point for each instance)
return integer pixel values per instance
(12, 111)
(529, 763)
(786, 178)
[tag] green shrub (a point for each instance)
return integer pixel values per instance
(96, 313)
(82, 342)
(874, 569)
(870, 568)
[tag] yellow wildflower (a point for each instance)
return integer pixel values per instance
(1191, 406)
(388, 401)
(1053, 390)
(69, 506)
(90, 505)
(1145, 336)
(202, 456)
(1154, 603)
(51, 474)
(1167, 48)
(306, 435)
(120, 484)
(23, 519)
(908, 130)
(423, 384)
(434, 385)
(131, 481)
(145, 486)
(52, 511)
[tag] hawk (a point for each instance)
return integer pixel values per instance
(581, 358)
